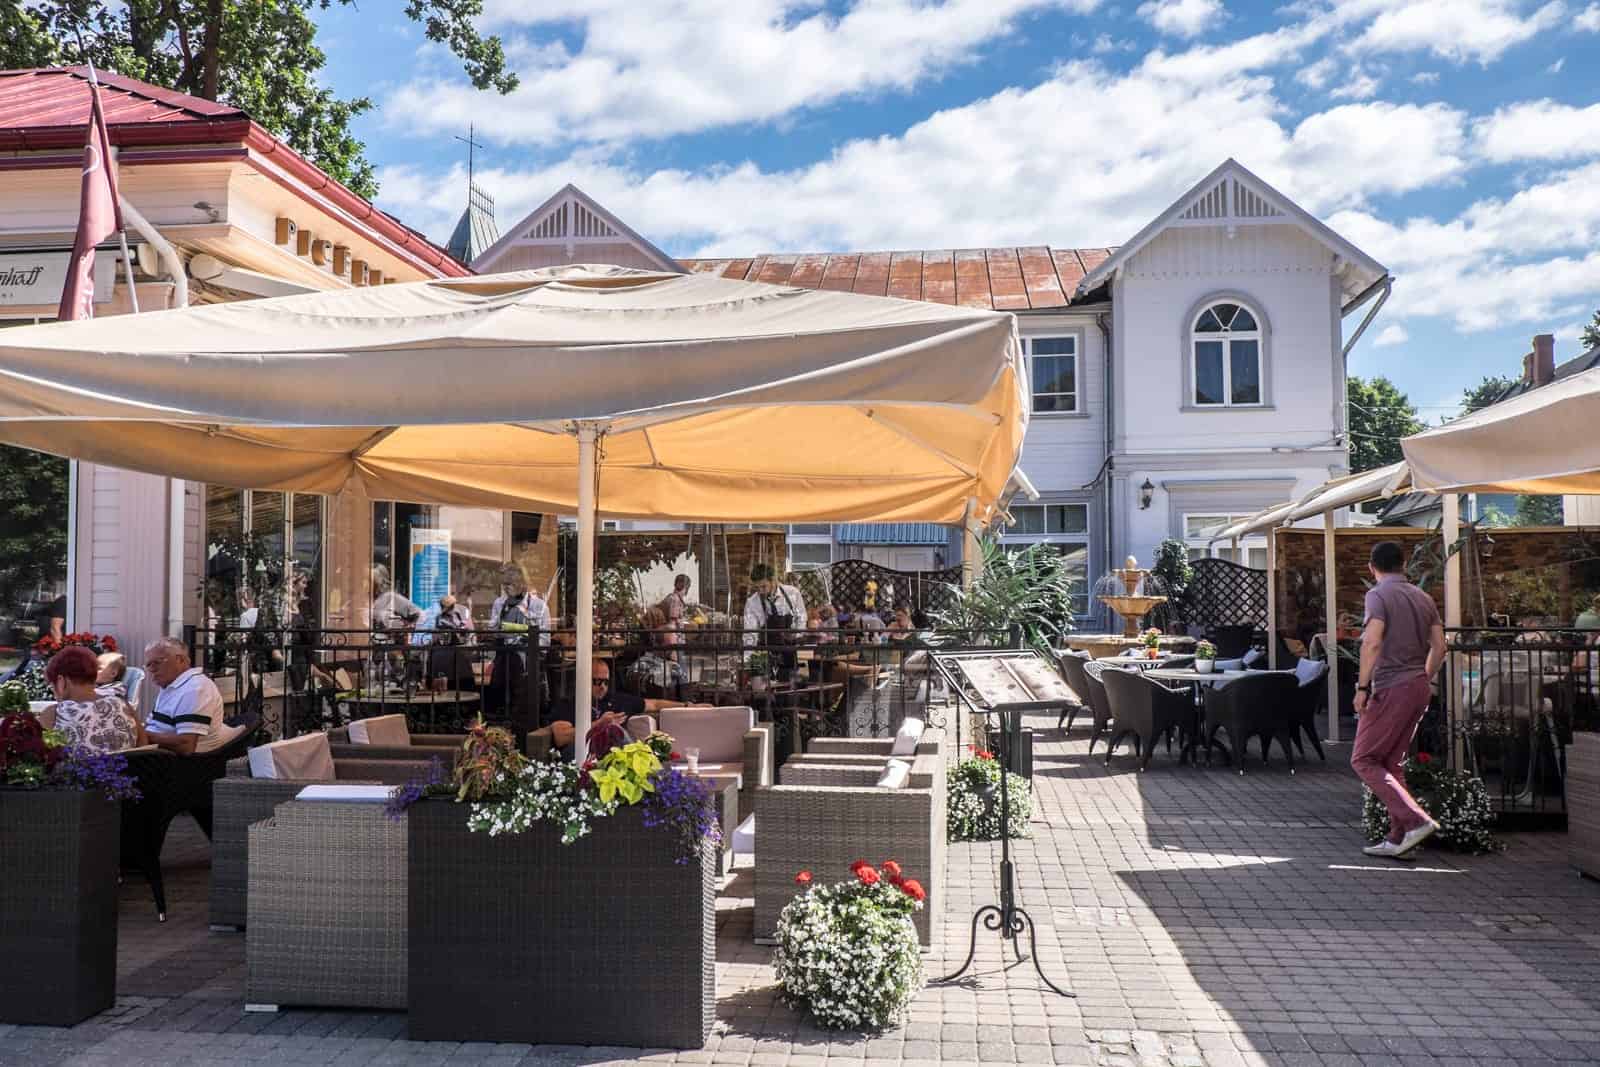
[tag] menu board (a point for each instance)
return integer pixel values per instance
(1003, 681)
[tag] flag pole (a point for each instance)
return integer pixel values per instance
(122, 231)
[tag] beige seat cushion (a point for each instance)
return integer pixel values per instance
(640, 727)
(300, 759)
(896, 773)
(390, 730)
(717, 732)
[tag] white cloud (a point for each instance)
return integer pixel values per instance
(686, 65)
(1457, 30)
(1425, 77)
(1391, 335)
(957, 177)
(1555, 68)
(1183, 18)
(1361, 85)
(1588, 20)
(1538, 130)
(1318, 74)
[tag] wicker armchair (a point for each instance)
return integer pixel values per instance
(1313, 688)
(1259, 704)
(327, 904)
(1146, 710)
(447, 747)
(824, 817)
(170, 785)
(239, 800)
(1072, 665)
(1099, 704)
(823, 749)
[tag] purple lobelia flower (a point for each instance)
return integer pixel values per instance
(681, 805)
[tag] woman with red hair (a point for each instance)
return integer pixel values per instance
(89, 720)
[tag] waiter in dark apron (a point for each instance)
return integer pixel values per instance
(775, 612)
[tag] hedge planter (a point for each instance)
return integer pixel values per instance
(58, 905)
(606, 941)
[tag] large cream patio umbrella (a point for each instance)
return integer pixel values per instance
(686, 397)
(1543, 441)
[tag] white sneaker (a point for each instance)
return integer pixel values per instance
(1413, 838)
(1384, 849)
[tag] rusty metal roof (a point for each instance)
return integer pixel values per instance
(1028, 278)
(39, 107)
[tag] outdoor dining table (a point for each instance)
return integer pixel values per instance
(1195, 679)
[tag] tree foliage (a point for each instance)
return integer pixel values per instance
(1380, 415)
(1486, 392)
(1590, 337)
(257, 55)
(33, 525)
(1032, 589)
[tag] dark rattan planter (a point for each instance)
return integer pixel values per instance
(521, 938)
(58, 906)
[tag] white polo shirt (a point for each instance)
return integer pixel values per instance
(192, 704)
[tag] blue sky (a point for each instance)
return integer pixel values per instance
(1457, 141)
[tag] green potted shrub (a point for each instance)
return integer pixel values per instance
(566, 885)
(59, 840)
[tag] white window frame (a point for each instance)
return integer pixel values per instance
(1226, 338)
(1203, 547)
(1076, 355)
(818, 538)
(1009, 537)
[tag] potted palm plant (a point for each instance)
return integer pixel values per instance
(59, 834)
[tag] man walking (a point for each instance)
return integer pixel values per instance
(1402, 648)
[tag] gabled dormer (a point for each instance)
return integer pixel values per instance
(571, 227)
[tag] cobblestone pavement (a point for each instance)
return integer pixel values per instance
(1204, 919)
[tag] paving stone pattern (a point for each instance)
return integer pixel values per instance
(1204, 918)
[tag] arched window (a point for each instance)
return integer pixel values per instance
(1225, 347)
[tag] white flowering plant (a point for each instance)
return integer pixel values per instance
(848, 953)
(1457, 801)
(543, 792)
(972, 802)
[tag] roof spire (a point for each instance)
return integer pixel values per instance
(471, 144)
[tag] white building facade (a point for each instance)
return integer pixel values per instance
(1190, 377)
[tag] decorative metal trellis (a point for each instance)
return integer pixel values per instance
(925, 591)
(1225, 593)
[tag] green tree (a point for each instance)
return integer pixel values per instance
(258, 55)
(1537, 510)
(33, 525)
(1380, 415)
(1486, 392)
(1590, 337)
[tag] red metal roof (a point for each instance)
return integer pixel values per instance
(48, 107)
(1031, 278)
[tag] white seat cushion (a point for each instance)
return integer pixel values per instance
(1230, 664)
(303, 759)
(907, 738)
(388, 730)
(1254, 656)
(640, 727)
(743, 840)
(348, 794)
(1309, 670)
(896, 773)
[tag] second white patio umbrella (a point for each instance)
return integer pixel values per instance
(685, 396)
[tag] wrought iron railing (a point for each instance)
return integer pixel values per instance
(837, 683)
(1505, 707)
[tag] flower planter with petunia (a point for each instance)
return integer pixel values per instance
(59, 836)
(565, 906)
(1457, 800)
(848, 953)
(973, 800)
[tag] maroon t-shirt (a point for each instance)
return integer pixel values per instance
(1409, 616)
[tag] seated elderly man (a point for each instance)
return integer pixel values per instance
(608, 705)
(188, 713)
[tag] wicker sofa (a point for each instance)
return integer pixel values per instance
(824, 816)
(238, 800)
(327, 906)
(447, 747)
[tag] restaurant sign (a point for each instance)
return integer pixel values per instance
(37, 278)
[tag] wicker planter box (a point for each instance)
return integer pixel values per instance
(1583, 802)
(58, 906)
(605, 941)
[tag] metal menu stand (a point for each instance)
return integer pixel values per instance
(1003, 683)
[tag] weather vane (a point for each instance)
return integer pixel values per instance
(471, 145)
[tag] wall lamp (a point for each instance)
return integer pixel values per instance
(1147, 493)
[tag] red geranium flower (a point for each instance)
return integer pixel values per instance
(867, 876)
(673, 755)
(855, 867)
(985, 754)
(891, 868)
(913, 889)
(1423, 757)
(110, 643)
(803, 878)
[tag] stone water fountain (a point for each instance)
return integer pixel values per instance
(1130, 592)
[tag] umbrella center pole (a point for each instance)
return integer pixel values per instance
(588, 434)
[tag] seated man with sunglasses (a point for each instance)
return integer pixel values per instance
(607, 705)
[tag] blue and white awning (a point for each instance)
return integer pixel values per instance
(892, 533)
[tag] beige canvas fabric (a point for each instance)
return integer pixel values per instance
(299, 759)
(1543, 441)
(722, 400)
(388, 730)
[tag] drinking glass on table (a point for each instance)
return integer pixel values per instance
(691, 756)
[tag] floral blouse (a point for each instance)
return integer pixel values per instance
(99, 726)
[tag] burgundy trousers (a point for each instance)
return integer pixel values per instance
(1383, 739)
